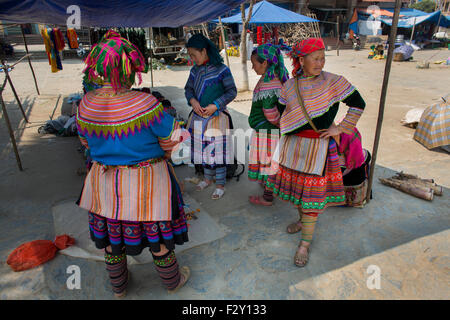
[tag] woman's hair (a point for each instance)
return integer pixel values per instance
(199, 42)
(259, 58)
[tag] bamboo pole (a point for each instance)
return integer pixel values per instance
(10, 130)
(151, 55)
(223, 41)
(337, 36)
(387, 71)
(29, 60)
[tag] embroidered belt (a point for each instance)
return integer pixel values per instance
(142, 164)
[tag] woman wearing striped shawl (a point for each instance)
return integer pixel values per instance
(267, 61)
(209, 88)
(309, 174)
(131, 192)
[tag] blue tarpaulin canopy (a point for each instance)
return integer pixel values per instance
(116, 13)
(409, 12)
(265, 12)
(409, 22)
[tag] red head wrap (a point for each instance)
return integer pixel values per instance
(304, 48)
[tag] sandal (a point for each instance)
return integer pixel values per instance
(294, 227)
(186, 273)
(202, 185)
(301, 259)
(257, 200)
(218, 193)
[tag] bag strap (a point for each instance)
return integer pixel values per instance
(302, 105)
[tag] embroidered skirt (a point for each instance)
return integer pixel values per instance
(262, 147)
(211, 146)
(135, 236)
(312, 193)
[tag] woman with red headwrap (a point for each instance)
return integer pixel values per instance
(309, 173)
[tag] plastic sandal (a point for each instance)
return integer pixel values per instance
(186, 272)
(257, 200)
(218, 193)
(300, 260)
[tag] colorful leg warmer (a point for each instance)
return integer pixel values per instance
(118, 271)
(167, 267)
(221, 176)
(309, 222)
(209, 174)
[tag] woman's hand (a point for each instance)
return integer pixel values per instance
(197, 108)
(209, 110)
(333, 130)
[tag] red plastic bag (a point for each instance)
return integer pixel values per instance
(37, 252)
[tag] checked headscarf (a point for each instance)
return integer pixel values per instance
(272, 54)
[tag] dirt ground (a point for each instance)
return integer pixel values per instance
(50, 164)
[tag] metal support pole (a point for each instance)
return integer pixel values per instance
(5, 69)
(29, 59)
(387, 71)
(412, 32)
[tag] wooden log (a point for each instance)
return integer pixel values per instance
(438, 190)
(417, 191)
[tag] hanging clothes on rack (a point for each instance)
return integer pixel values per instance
(72, 38)
(54, 43)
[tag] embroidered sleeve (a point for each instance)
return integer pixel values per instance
(229, 88)
(282, 99)
(171, 142)
(357, 105)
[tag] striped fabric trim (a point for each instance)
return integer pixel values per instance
(103, 113)
(318, 93)
(351, 118)
(272, 115)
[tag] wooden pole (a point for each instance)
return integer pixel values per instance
(223, 41)
(11, 132)
(5, 69)
(29, 60)
(337, 35)
(387, 71)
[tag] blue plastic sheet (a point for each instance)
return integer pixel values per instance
(116, 13)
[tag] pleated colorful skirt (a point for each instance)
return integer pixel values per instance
(262, 147)
(312, 193)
